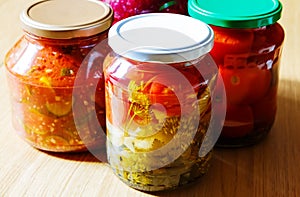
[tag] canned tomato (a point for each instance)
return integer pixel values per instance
(247, 50)
(42, 67)
(158, 81)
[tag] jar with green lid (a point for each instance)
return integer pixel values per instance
(41, 71)
(247, 50)
(159, 81)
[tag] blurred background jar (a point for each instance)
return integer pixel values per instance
(126, 8)
(41, 70)
(158, 81)
(247, 50)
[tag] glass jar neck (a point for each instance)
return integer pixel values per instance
(240, 29)
(88, 41)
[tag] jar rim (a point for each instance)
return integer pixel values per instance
(236, 13)
(65, 19)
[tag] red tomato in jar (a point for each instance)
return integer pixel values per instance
(161, 94)
(238, 119)
(173, 92)
(230, 41)
(269, 37)
(246, 85)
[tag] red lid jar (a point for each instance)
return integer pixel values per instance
(41, 70)
(247, 49)
(158, 82)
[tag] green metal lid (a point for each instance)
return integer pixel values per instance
(236, 13)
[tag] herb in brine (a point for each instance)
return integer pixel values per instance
(158, 100)
(147, 135)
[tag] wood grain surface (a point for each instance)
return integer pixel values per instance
(270, 168)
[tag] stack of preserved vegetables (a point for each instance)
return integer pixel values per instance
(158, 111)
(41, 70)
(247, 49)
(42, 94)
(153, 139)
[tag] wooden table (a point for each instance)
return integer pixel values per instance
(270, 168)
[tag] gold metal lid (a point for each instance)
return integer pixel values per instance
(65, 19)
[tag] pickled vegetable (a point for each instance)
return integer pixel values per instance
(155, 125)
(42, 93)
(248, 61)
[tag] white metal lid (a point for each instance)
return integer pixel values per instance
(63, 19)
(163, 37)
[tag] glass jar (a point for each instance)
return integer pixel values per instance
(158, 82)
(41, 70)
(247, 50)
(123, 9)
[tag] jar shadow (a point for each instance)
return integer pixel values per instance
(96, 156)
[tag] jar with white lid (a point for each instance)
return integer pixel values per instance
(41, 70)
(158, 85)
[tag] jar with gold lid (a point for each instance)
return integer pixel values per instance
(42, 67)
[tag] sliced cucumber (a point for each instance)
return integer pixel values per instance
(61, 108)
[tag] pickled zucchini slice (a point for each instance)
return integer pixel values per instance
(59, 108)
